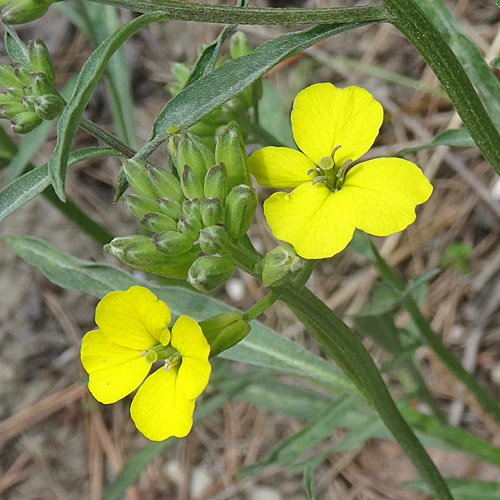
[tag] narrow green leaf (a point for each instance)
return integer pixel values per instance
(315, 431)
(217, 87)
(463, 489)
(452, 137)
(86, 82)
(309, 482)
(25, 188)
(16, 49)
(262, 347)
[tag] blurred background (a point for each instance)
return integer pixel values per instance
(57, 442)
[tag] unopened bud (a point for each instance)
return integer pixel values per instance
(41, 84)
(137, 177)
(187, 149)
(8, 78)
(224, 330)
(281, 265)
(191, 209)
(190, 226)
(23, 74)
(212, 211)
(208, 273)
(230, 150)
(213, 239)
(170, 207)
(140, 205)
(241, 204)
(156, 223)
(25, 122)
(48, 106)
(23, 11)
(139, 252)
(164, 183)
(216, 183)
(10, 109)
(40, 59)
(191, 185)
(173, 242)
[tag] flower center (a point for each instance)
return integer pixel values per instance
(331, 175)
(168, 353)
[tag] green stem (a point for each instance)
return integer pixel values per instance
(259, 307)
(409, 18)
(227, 14)
(344, 347)
(432, 339)
(106, 137)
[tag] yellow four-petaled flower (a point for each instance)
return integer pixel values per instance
(133, 333)
(332, 127)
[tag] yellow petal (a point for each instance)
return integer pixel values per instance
(311, 219)
(280, 167)
(134, 318)
(324, 116)
(380, 195)
(114, 371)
(160, 409)
(194, 371)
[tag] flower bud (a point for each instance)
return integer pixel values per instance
(212, 211)
(191, 209)
(241, 204)
(137, 177)
(40, 59)
(173, 242)
(190, 226)
(10, 109)
(157, 223)
(41, 84)
(25, 122)
(230, 150)
(170, 207)
(8, 78)
(213, 239)
(23, 11)
(164, 184)
(239, 45)
(207, 273)
(229, 336)
(23, 74)
(224, 330)
(139, 252)
(281, 265)
(140, 205)
(191, 185)
(216, 182)
(187, 149)
(48, 106)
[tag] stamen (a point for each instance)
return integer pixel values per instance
(335, 149)
(167, 366)
(320, 178)
(311, 170)
(343, 168)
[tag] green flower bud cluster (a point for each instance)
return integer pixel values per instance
(30, 96)
(23, 11)
(238, 106)
(194, 216)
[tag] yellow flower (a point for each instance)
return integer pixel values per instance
(332, 127)
(133, 333)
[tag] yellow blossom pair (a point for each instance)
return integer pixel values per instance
(133, 334)
(332, 127)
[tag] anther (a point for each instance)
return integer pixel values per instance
(335, 149)
(320, 178)
(311, 170)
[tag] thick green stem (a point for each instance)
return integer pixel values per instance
(342, 345)
(227, 14)
(432, 339)
(410, 19)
